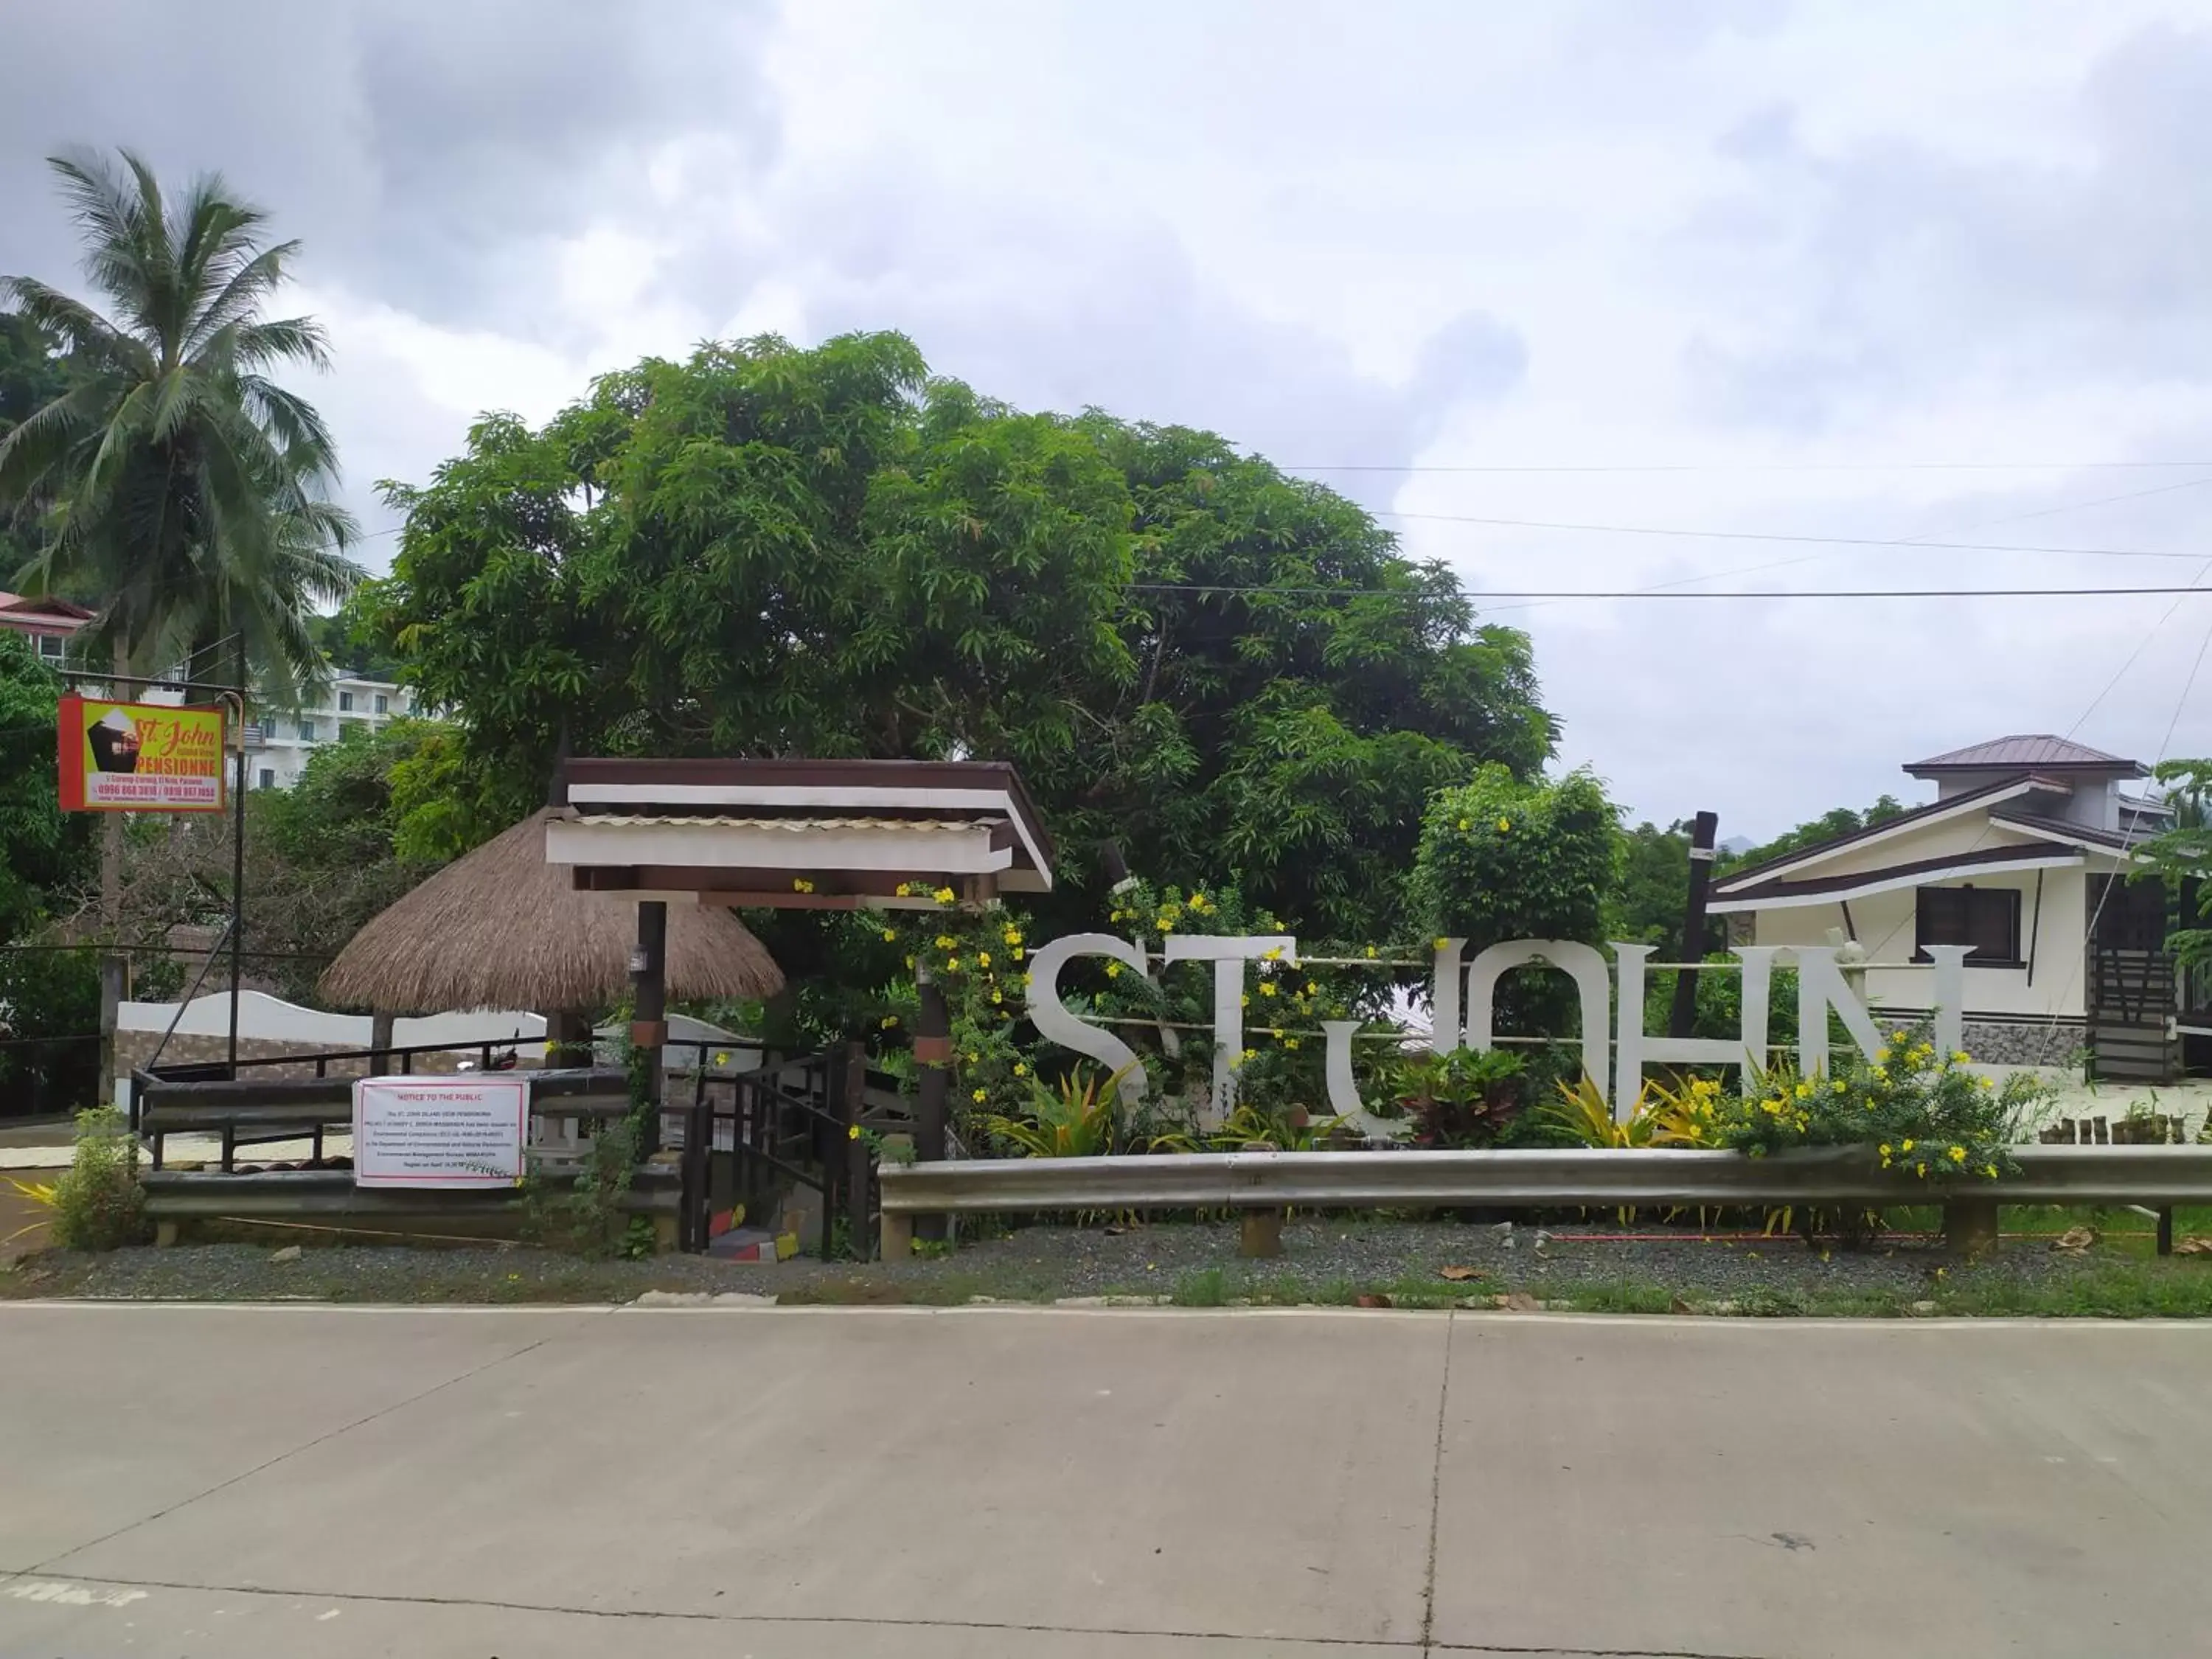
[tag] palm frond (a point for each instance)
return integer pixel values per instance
(280, 340)
(243, 289)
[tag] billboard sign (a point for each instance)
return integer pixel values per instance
(141, 756)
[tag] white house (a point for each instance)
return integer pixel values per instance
(2023, 855)
(278, 745)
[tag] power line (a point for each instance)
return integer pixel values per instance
(1777, 536)
(1757, 466)
(1480, 597)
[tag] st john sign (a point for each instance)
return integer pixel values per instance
(1463, 996)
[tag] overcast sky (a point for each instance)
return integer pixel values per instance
(1816, 259)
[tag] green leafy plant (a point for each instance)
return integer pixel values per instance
(1078, 1117)
(98, 1202)
(1249, 1126)
(1663, 1116)
(1462, 1099)
(588, 1216)
(1922, 1112)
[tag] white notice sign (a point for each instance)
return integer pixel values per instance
(438, 1132)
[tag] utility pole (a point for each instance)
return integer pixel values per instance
(237, 861)
(1684, 1014)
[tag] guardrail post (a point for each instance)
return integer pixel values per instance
(2166, 1230)
(1969, 1224)
(1262, 1235)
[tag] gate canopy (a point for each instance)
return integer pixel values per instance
(818, 835)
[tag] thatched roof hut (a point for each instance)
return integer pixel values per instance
(502, 929)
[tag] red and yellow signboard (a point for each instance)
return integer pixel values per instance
(141, 756)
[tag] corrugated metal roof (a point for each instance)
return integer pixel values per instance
(2026, 751)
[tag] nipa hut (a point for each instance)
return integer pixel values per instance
(502, 928)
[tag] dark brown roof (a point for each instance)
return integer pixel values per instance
(1857, 878)
(2035, 751)
(2035, 822)
(1729, 880)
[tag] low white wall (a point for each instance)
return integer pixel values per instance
(263, 1018)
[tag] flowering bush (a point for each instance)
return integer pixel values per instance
(978, 955)
(1921, 1111)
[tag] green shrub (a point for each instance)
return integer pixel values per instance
(1922, 1112)
(98, 1202)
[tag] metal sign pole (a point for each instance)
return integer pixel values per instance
(238, 862)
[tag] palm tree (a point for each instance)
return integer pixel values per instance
(173, 477)
(187, 487)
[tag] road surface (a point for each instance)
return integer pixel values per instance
(1074, 1484)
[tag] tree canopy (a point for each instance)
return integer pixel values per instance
(177, 479)
(1842, 821)
(1206, 671)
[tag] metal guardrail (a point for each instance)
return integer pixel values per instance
(1528, 1180)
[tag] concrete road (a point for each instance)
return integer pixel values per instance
(271, 1482)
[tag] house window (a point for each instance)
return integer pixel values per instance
(51, 647)
(383, 704)
(345, 703)
(306, 731)
(268, 777)
(1987, 918)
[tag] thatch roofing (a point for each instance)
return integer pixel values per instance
(502, 929)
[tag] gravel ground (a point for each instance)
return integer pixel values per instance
(1320, 1259)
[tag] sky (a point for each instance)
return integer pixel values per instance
(1867, 271)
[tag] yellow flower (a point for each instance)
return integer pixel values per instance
(1908, 1145)
(1290, 1042)
(997, 996)
(1310, 988)
(1019, 953)
(1244, 1001)
(945, 941)
(1271, 953)
(1442, 941)
(1957, 1155)
(1990, 1170)
(801, 884)
(943, 895)
(1879, 1056)
(1882, 1072)
(983, 957)
(1884, 1150)
(1266, 987)
(909, 962)
(1898, 1036)
(1372, 952)
(1113, 971)
(1251, 1053)
(889, 1020)
(980, 1096)
(1020, 1070)
(974, 1059)
(1013, 936)
(1116, 916)
(1839, 1086)
(1959, 1057)
(905, 889)
(1467, 823)
(1804, 1089)
(952, 965)
(890, 934)
(852, 1134)
(1504, 825)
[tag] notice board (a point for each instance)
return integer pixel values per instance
(454, 1131)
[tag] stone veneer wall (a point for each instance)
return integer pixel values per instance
(2023, 1042)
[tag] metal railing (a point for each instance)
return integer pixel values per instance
(2147, 1175)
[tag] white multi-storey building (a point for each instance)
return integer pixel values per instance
(278, 745)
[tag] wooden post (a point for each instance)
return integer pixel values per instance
(380, 1041)
(857, 1172)
(1970, 1226)
(933, 1053)
(1683, 1015)
(895, 1237)
(2166, 1230)
(648, 1030)
(1262, 1234)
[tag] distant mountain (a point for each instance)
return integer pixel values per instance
(1736, 846)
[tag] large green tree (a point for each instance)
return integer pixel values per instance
(31, 377)
(183, 484)
(1205, 670)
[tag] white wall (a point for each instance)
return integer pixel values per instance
(1885, 927)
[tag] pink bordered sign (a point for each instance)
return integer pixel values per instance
(448, 1132)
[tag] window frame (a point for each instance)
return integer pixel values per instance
(307, 730)
(2009, 896)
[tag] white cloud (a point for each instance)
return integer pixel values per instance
(1743, 235)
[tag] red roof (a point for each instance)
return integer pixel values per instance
(16, 611)
(2037, 752)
